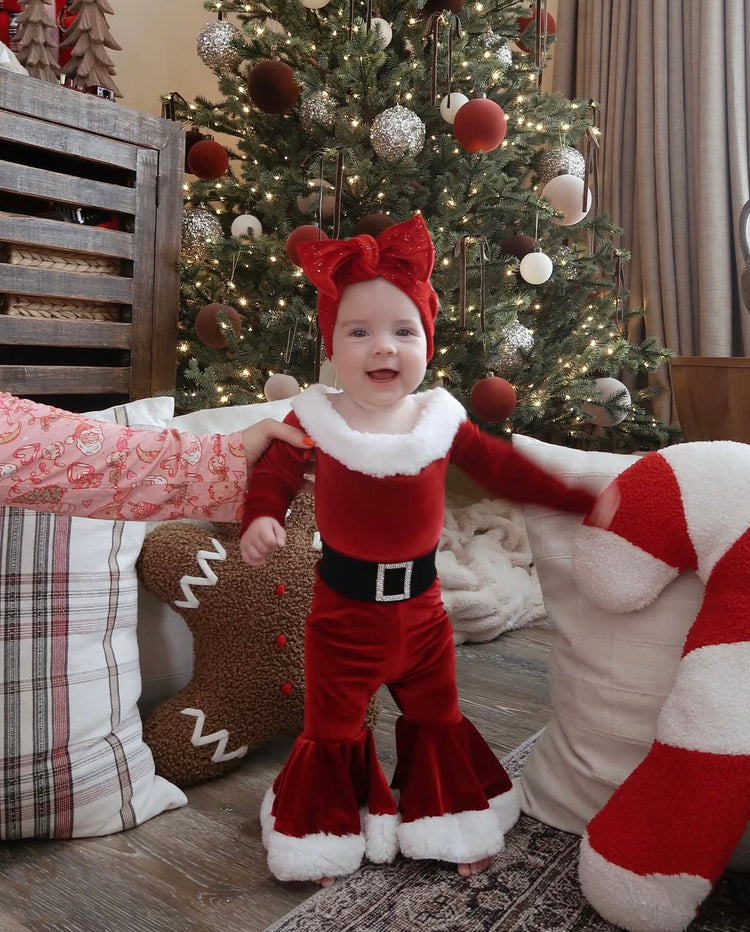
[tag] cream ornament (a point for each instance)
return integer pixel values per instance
(383, 29)
(565, 194)
(536, 267)
(315, 4)
(607, 388)
(280, 385)
(310, 203)
(246, 224)
(451, 104)
(652, 854)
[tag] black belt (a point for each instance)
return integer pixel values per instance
(377, 582)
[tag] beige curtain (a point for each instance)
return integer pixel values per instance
(673, 83)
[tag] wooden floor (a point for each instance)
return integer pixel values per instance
(203, 867)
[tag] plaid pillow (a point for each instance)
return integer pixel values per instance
(72, 761)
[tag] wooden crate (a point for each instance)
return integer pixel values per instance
(61, 147)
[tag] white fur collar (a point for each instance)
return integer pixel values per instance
(381, 454)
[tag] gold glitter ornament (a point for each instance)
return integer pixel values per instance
(216, 45)
(317, 110)
(200, 228)
(397, 132)
(561, 160)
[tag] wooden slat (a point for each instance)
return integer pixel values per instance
(712, 397)
(55, 186)
(20, 94)
(66, 140)
(35, 231)
(166, 247)
(26, 331)
(16, 279)
(143, 273)
(61, 380)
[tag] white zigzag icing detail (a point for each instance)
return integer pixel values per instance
(220, 737)
(209, 578)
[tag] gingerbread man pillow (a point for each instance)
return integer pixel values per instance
(248, 630)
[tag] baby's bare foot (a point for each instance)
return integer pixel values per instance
(466, 870)
(327, 881)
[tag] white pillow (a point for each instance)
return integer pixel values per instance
(164, 640)
(72, 760)
(609, 674)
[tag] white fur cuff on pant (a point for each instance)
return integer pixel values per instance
(461, 837)
(639, 903)
(381, 836)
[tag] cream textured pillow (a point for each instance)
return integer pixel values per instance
(164, 640)
(609, 674)
(72, 759)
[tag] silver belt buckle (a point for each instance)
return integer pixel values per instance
(380, 582)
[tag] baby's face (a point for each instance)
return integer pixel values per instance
(379, 343)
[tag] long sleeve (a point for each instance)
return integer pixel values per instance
(57, 461)
(275, 480)
(507, 473)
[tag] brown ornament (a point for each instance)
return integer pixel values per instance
(272, 86)
(207, 326)
(373, 224)
(440, 6)
(208, 160)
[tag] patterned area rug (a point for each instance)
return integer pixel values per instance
(531, 887)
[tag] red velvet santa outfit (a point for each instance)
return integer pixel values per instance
(377, 618)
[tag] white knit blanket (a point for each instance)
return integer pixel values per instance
(485, 566)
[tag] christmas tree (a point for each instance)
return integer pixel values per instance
(88, 40)
(35, 48)
(343, 122)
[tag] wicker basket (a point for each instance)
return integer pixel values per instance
(61, 260)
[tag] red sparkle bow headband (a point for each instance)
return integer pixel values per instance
(402, 254)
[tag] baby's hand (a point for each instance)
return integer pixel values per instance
(605, 507)
(263, 537)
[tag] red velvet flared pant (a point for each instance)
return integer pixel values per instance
(331, 804)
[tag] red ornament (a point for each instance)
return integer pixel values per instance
(281, 641)
(493, 399)
(518, 245)
(280, 589)
(438, 6)
(286, 688)
(480, 125)
(207, 325)
(208, 160)
(272, 87)
(302, 234)
(192, 136)
(525, 21)
(373, 224)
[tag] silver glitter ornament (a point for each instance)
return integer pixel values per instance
(498, 46)
(561, 160)
(317, 110)
(216, 45)
(396, 132)
(200, 226)
(514, 339)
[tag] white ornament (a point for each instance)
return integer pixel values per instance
(309, 203)
(314, 4)
(280, 385)
(605, 389)
(385, 33)
(448, 110)
(274, 26)
(535, 268)
(246, 223)
(565, 194)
